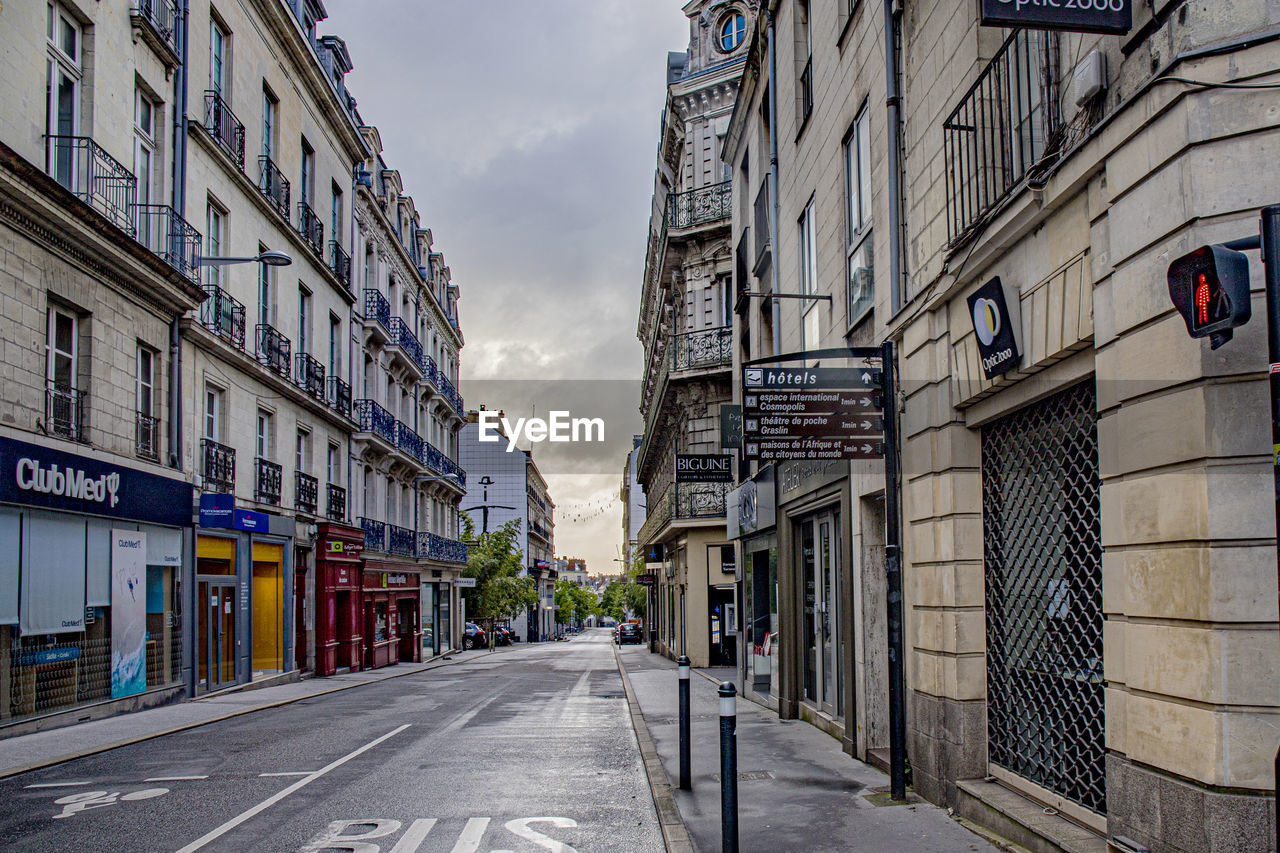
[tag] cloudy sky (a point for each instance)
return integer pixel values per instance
(526, 133)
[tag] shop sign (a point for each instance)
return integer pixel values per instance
(800, 478)
(728, 563)
(341, 547)
(41, 476)
(1114, 17)
(704, 468)
(43, 656)
(993, 326)
(465, 583)
(755, 504)
(647, 579)
(394, 580)
(219, 511)
(730, 426)
(128, 613)
(655, 553)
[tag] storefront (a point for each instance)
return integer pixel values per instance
(752, 516)
(338, 619)
(433, 604)
(390, 599)
(92, 556)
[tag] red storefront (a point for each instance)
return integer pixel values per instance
(390, 600)
(339, 614)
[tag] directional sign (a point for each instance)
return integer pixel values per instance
(809, 402)
(809, 377)
(781, 449)
(843, 425)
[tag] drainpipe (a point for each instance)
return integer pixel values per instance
(893, 104)
(773, 185)
(179, 206)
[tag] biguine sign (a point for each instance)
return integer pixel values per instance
(1081, 16)
(704, 468)
(992, 323)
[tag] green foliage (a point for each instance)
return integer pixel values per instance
(614, 601)
(576, 603)
(495, 562)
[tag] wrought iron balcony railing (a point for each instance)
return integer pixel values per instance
(223, 315)
(98, 179)
(336, 505)
(274, 349)
(403, 337)
(340, 263)
(162, 17)
(806, 92)
(432, 546)
(701, 206)
(340, 395)
(311, 228)
(760, 223)
(684, 501)
(377, 420)
(147, 442)
(702, 350)
(169, 236)
(219, 466)
(64, 411)
(437, 461)
(310, 376)
(449, 392)
(399, 540)
(409, 441)
(224, 127)
(306, 492)
(274, 185)
(375, 534)
(376, 307)
(538, 530)
(268, 481)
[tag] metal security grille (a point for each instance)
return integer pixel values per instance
(1043, 562)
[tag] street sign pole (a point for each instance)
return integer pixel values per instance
(893, 577)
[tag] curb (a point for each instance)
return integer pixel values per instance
(95, 750)
(674, 833)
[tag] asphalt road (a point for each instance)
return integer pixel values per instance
(526, 749)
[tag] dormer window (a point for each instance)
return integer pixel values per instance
(733, 27)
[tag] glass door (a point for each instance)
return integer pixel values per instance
(820, 577)
(217, 635)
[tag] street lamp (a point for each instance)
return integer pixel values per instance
(432, 478)
(271, 258)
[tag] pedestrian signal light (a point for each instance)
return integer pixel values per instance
(1210, 288)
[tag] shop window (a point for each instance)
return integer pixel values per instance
(379, 621)
(267, 598)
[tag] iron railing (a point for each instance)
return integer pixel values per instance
(403, 337)
(806, 92)
(306, 492)
(274, 349)
(1000, 129)
(147, 440)
(376, 307)
(432, 546)
(268, 481)
(760, 223)
(310, 375)
(311, 228)
(377, 420)
(449, 392)
(400, 540)
(224, 127)
(701, 350)
(684, 501)
(274, 185)
(336, 503)
(168, 235)
(701, 206)
(375, 534)
(409, 442)
(98, 179)
(340, 262)
(223, 315)
(340, 395)
(219, 466)
(438, 461)
(64, 411)
(538, 530)
(162, 17)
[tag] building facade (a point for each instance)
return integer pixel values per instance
(685, 327)
(1085, 537)
(631, 495)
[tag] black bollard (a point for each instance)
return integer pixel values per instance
(685, 784)
(728, 768)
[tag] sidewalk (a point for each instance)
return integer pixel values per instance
(27, 752)
(797, 791)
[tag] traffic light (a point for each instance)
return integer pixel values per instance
(1210, 289)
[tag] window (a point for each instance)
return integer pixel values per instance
(331, 465)
(212, 413)
(304, 319)
(269, 107)
(146, 381)
(860, 284)
(144, 125)
(308, 173)
(61, 349)
(303, 461)
(808, 277)
(804, 64)
(335, 344)
(264, 290)
(264, 435)
(732, 28)
(335, 215)
(219, 41)
(215, 226)
(62, 116)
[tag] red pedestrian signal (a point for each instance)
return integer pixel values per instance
(1210, 288)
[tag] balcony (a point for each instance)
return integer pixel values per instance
(147, 441)
(375, 534)
(760, 224)
(408, 345)
(336, 505)
(442, 549)
(95, 177)
(701, 206)
(376, 420)
(223, 315)
(311, 228)
(274, 349)
(268, 481)
(64, 411)
(708, 349)
(273, 185)
(219, 466)
(1000, 129)
(409, 442)
(169, 236)
(310, 376)
(224, 127)
(541, 532)
(437, 461)
(377, 308)
(400, 541)
(685, 502)
(306, 492)
(159, 25)
(340, 263)
(340, 395)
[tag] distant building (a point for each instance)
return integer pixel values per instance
(633, 504)
(572, 569)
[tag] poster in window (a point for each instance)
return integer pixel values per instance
(128, 612)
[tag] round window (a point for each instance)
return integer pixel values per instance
(732, 28)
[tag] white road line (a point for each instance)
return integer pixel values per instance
(286, 773)
(472, 833)
(175, 778)
(215, 834)
(414, 835)
(57, 784)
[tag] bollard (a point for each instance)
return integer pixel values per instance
(683, 664)
(728, 768)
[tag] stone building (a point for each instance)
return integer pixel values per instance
(1089, 537)
(684, 325)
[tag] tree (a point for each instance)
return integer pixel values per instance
(575, 603)
(614, 603)
(493, 559)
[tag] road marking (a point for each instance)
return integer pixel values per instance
(217, 833)
(175, 778)
(57, 784)
(286, 773)
(469, 840)
(414, 836)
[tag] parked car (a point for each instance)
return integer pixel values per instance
(474, 637)
(629, 632)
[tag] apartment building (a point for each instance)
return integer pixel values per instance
(1088, 535)
(685, 327)
(631, 494)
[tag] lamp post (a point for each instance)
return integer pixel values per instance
(270, 257)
